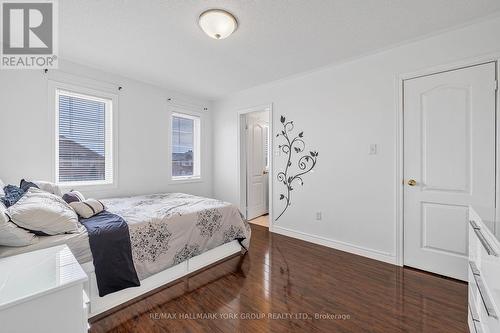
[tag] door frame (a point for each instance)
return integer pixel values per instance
(242, 157)
(399, 126)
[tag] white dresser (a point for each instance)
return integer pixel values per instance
(484, 276)
(42, 291)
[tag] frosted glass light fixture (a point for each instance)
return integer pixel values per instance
(218, 23)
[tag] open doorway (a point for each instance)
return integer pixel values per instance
(255, 164)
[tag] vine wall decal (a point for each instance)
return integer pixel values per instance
(306, 162)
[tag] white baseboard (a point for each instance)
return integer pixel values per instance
(342, 246)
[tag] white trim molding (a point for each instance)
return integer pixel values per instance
(195, 112)
(241, 182)
(52, 89)
(338, 245)
(196, 176)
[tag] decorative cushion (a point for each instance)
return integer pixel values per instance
(12, 195)
(87, 208)
(49, 187)
(25, 185)
(43, 213)
(73, 196)
(12, 235)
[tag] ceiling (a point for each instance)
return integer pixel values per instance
(159, 41)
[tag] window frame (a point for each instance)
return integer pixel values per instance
(197, 146)
(111, 100)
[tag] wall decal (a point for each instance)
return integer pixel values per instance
(306, 162)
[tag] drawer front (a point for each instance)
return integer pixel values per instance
(474, 247)
(86, 312)
(475, 326)
(473, 289)
(472, 328)
(482, 244)
(478, 302)
(484, 276)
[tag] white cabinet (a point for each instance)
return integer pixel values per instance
(42, 291)
(484, 277)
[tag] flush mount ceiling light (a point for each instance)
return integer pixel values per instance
(218, 23)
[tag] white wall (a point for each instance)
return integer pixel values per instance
(342, 110)
(26, 140)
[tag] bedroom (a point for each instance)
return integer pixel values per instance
(167, 146)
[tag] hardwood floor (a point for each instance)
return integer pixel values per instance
(287, 285)
(261, 220)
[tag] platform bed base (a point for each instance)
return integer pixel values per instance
(177, 280)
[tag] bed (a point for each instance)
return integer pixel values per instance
(171, 235)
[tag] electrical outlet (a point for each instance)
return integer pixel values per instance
(319, 216)
(373, 149)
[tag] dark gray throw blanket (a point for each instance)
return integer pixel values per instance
(110, 245)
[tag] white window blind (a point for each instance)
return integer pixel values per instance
(84, 145)
(185, 146)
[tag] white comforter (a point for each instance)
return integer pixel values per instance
(167, 229)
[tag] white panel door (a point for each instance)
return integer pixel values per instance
(449, 164)
(256, 168)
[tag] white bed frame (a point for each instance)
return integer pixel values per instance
(99, 305)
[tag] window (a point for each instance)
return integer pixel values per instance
(84, 151)
(185, 146)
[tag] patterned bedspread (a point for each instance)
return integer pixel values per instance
(167, 229)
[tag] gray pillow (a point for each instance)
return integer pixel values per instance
(73, 196)
(43, 213)
(87, 208)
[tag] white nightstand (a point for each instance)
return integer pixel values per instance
(42, 291)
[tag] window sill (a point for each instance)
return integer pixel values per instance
(186, 180)
(90, 186)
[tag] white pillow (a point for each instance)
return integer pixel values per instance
(3, 218)
(49, 187)
(2, 185)
(43, 212)
(12, 235)
(87, 208)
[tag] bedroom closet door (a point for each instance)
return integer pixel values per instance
(449, 164)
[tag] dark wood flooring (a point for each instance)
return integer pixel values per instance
(287, 285)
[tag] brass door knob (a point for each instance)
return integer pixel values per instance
(412, 182)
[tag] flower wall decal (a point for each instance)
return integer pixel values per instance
(306, 161)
